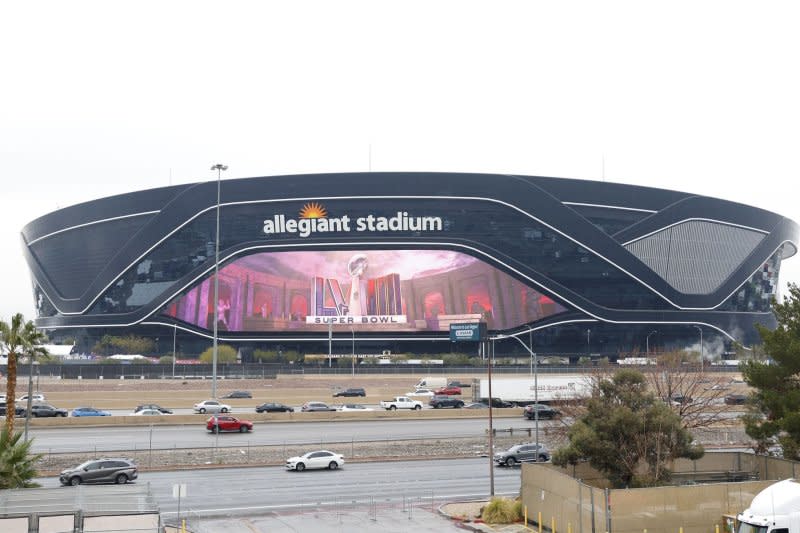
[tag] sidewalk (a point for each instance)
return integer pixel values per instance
(455, 517)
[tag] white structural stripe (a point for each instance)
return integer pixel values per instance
(696, 256)
(326, 198)
(619, 207)
(668, 322)
(92, 223)
(691, 219)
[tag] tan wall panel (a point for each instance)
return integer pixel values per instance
(695, 508)
(57, 524)
(142, 523)
(14, 525)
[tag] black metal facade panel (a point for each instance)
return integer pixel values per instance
(490, 202)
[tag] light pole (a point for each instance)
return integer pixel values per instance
(535, 388)
(588, 345)
(30, 394)
(174, 339)
(647, 342)
(702, 361)
(353, 353)
(219, 168)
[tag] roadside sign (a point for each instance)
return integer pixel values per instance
(469, 332)
(179, 490)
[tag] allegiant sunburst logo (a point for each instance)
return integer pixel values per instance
(313, 210)
(313, 218)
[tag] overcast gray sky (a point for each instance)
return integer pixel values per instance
(100, 98)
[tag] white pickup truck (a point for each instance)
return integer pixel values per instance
(401, 402)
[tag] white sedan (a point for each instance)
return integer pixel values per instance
(421, 392)
(354, 407)
(149, 412)
(211, 406)
(317, 459)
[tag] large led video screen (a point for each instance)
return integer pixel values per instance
(372, 290)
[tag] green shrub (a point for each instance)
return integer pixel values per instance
(225, 354)
(502, 511)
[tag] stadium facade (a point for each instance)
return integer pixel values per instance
(390, 260)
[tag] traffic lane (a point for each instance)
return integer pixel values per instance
(113, 438)
(242, 411)
(250, 491)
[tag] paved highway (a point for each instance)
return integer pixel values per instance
(73, 439)
(252, 491)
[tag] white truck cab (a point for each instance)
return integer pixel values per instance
(775, 509)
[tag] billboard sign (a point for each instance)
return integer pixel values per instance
(471, 332)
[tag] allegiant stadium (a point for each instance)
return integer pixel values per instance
(391, 260)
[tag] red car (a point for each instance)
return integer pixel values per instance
(448, 391)
(228, 423)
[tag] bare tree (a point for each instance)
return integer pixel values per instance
(695, 395)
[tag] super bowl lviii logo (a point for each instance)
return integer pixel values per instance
(375, 300)
(313, 219)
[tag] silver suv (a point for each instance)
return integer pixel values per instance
(522, 453)
(100, 471)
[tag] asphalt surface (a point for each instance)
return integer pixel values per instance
(355, 488)
(113, 438)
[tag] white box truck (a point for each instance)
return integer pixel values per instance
(431, 382)
(521, 391)
(776, 508)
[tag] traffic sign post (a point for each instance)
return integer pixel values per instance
(178, 491)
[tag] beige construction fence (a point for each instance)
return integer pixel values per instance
(578, 500)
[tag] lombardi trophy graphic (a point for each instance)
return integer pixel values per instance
(356, 267)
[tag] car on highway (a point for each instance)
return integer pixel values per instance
(107, 470)
(497, 402)
(157, 407)
(680, 399)
(18, 409)
(351, 392)
(354, 407)
(35, 397)
(211, 406)
(448, 391)
(149, 412)
(544, 412)
(421, 392)
(310, 407)
(88, 411)
(462, 384)
(315, 460)
(438, 402)
(273, 407)
(522, 453)
(735, 399)
(220, 423)
(46, 410)
(239, 394)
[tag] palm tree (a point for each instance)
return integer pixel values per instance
(16, 463)
(18, 338)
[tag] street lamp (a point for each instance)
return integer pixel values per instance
(353, 353)
(588, 345)
(219, 168)
(535, 389)
(174, 339)
(647, 342)
(702, 361)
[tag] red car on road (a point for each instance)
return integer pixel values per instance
(448, 391)
(228, 423)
